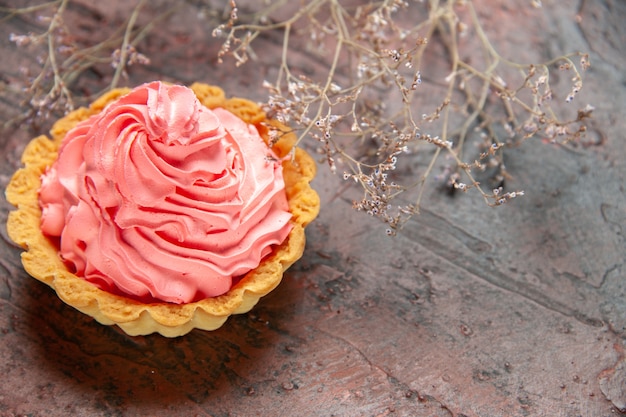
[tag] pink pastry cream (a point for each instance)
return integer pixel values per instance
(162, 199)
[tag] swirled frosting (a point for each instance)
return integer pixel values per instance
(160, 198)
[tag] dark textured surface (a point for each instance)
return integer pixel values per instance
(518, 311)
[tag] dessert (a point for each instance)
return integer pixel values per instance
(163, 208)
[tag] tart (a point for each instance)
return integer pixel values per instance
(163, 208)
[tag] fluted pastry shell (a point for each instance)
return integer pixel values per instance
(41, 259)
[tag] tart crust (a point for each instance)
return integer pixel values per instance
(41, 259)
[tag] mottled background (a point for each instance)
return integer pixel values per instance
(469, 311)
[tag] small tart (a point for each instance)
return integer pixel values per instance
(42, 261)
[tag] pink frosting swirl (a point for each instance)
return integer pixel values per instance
(159, 198)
